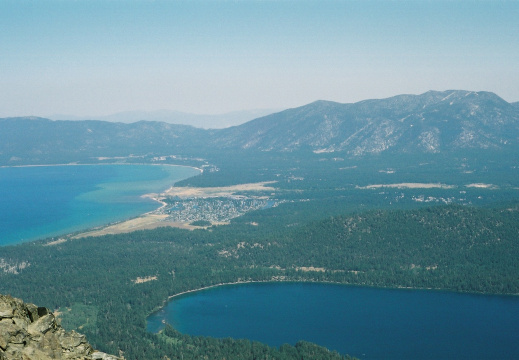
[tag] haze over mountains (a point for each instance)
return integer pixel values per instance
(432, 122)
(204, 121)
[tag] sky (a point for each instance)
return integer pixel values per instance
(98, 57)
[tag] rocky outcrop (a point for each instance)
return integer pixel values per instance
(30, 332)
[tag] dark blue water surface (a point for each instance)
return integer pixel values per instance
(369, 323)
(43, 201)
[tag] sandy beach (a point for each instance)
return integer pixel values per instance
(156, 219)
(482, 186)
(409, 186)
(224, 191)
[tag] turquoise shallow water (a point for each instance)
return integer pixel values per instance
(44, 201)
(369, 323)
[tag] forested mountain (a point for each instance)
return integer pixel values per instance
(434, 122)
(431, 122)
(36, 140)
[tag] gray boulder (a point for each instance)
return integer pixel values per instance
(30, 332)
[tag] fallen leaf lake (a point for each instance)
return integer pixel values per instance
(369, 323)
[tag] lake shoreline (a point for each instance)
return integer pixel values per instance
(337, 283)
(244, 282)
(71, 233)
(154, 219)
(412, 315)
(98, 164)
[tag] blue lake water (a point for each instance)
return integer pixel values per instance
(368, 323)
(44, 201)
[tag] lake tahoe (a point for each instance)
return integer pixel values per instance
(43, 201)
(369, 323)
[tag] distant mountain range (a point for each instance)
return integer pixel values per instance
(432, 122)
(218, 121)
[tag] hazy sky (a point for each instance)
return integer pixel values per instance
(88, 57)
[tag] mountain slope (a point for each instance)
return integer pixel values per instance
(38, 140)
(431, 122)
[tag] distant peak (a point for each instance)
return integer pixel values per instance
(27, 118)
(463, 93)
(321, 103)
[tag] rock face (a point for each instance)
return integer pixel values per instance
(30, 332)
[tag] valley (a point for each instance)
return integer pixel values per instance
(336, 193)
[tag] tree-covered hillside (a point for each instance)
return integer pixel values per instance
(93, 280)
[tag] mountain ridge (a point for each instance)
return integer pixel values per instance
(445, 121)
(39, 140)
(432, 122)
(204, 121)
